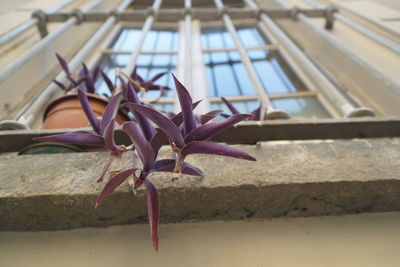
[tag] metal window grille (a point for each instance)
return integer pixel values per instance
(303, 90)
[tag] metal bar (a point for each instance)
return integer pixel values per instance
(196, 13)
(11, 35)
(145, 29)
(188, 46)
(42, 44)
(27, 116)
(228, 49)
(237, 98)
(109, 51)
(345, 128)
(361, 29)
(345, 107)
(299, 72)
(104, 46)
(367, 66)
(266, 104)
(128, 52)
(198, 70)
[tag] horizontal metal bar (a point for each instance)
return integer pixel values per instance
(128, 52)
(14, 33)
(197, 13)
(231, 49)
(16, 140)
(238, 98)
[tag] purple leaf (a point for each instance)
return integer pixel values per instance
(209, 116)
(153, 211)
(157, 87)
(256, 114)
(160, 138)
(114, 183)
(208, 147)
(110, 111)
(63, 64)
(185, 101)
(107, 81)
(155, 78)
(168, 165)
(144, 123)
(143, 147)
(89, 80)
(76, 138)
(230, 106)
(207, 131)
(96, 73)
(108, 136)
(111, 158)
(88, 111)
(61, 85)
(136, 76)
(165, 124)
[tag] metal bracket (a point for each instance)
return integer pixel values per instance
(330, 17)
(41, 17)
(115, 14)
(294, 12)
(78, 14)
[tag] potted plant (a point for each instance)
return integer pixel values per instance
(66, 111)
(185, 132)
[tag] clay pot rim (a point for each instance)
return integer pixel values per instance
(73, 147)
(75, 96)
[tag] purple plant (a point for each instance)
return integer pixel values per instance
(148, 85)
(74, 83)
(186, 133)
(255, 114)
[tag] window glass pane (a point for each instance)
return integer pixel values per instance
(301, 107)
(126, 40)
(226, 75)
(109, 63)
(160, 40)
(165, 107)
(250, 37)
(150, 65)
(216, 38)
(271, 73)
(242, 106)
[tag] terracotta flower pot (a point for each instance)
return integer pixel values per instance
(49, 148)
(66, 112)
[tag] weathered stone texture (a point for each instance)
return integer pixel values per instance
(305, 178)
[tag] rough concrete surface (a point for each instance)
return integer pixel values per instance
(307, 178)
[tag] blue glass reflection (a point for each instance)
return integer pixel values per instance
(301, 107)
(241, 106)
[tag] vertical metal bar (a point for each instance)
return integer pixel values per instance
(106, 43)
(266, 104)
(11, 35)
(300, 73)
(369, 67)
(344, 105)
(43, 44)
(27, 116)
(145, 29)
(199, 87)
(361, 29)
(188, 45)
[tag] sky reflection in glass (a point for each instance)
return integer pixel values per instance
(301, 107)
(242, 106)
(148, 65)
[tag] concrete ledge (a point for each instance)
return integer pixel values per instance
(304, 178)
